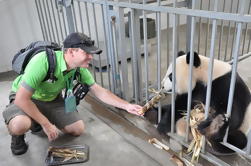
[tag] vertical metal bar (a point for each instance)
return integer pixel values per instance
(40, 19)
(110, 46)
(145, 52)
(106, 47)
(244, 39)
(81, 18)
(238, 4)
(89, 34)
(211, 65)
(45, 14)
(174, 48)
(51, 25)
(138, 51)
(136, 88)
(188, 28)
(64, 21)
(54, 20)
(115, 58)
(74, 16)
(131, 53)
(249, 144)
(87, 18)
(178, 30)
(168, 40)
(229, 28)
(221, 31)
(122, 53)
(135, 36)
(97, 39)
(158, 15)
(233, 75)
(208, 29)
(189, 100)
(200, 27)
(69, 16)
(234, 68)
(59, 19)
(246, 31)
(43, 20)
(249, 41)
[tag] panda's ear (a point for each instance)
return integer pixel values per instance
(180, 53)
(196, 62)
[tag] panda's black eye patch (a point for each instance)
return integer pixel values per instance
(170, 76)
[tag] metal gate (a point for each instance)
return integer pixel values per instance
(140, 36)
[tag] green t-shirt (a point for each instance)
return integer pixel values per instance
(36, 70)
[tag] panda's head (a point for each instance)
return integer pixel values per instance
(182, 73)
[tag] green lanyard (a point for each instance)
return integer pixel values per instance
(70, 99)
(69, 82)
(69, 85)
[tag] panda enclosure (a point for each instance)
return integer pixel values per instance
(140, 38)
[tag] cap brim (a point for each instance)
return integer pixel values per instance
(92, 50)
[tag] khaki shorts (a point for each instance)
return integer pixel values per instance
(53, 110)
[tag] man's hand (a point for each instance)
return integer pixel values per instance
(51, 131)
(134, 109)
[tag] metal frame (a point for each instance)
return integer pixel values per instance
(114, 15)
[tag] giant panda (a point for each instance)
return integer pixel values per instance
(214, 127)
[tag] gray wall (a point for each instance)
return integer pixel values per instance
(19, 25)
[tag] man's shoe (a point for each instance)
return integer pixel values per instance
(18, 145)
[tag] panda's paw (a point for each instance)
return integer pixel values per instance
(203, 126)
(152, 115)
(216, 129)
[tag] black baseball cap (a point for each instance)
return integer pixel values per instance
(80, 40)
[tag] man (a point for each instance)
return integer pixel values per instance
(39, 102)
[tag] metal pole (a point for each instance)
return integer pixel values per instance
(211, 65)
(40, 20)
(55, 22)
(145, 53)
(68, 9)
(122, 53)
(158, 18)
(59, 19)
(81, 18)
(51, 25)
(221, 31)
(234, 68)
(106, 47)
(174, 48)
(189, 101)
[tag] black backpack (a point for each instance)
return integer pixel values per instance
(22, 58)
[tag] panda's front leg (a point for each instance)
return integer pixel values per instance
(164, 125)
(214, 128)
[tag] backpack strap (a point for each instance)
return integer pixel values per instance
(77, 75)
(51, 57)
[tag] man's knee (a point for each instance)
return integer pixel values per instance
(75, 129)
(19, 125)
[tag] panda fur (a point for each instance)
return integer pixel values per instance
(214, 127)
